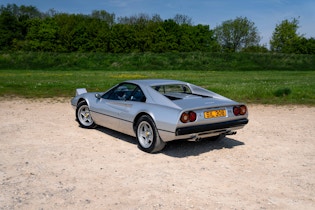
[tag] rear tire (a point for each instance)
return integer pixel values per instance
(148, 136)
(83, 115)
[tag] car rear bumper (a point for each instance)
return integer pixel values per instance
(229, 125)
(193, 133)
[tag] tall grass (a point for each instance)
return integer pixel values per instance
(150, 61)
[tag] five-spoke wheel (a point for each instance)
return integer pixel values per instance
(147, 135)
(84, 116)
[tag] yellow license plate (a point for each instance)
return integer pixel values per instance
(215, 113)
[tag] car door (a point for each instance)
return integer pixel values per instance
(112, 109)
(107, 108)
(106, 113)
(130, 108)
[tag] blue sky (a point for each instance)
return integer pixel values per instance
(264, 13)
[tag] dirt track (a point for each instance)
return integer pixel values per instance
(48, 162)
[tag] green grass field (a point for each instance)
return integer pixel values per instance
(267, 87)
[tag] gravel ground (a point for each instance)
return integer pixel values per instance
(48, 162)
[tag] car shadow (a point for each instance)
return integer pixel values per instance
(180, 149)
(117, 135)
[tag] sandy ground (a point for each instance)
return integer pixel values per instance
(48, 162)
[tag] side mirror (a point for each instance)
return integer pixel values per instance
(98, 96)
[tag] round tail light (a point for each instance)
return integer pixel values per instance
(243, 110)
(239, 110)
(192, 116)
(188, 117)
(236, 110)
(184, 118)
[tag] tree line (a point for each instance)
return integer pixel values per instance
(25, 28)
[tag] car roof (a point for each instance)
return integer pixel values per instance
(156, 97)
(155, 82)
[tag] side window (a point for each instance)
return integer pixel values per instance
(107, 94)
(125, 91)
(137, 95)
(121, 92)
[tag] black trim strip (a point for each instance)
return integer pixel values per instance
(166, 131)
(210, 127)
(124, 120)
(111, 116)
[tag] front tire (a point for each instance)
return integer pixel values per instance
(83, 115)
(147, 135)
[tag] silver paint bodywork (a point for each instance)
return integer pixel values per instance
(121, 115)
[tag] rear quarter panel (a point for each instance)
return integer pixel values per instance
(165, 118)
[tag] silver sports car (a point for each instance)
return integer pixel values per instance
(158, 111)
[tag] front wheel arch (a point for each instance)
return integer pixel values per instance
(83, 115)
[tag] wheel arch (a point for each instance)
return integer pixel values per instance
(82, 99)
(138, 117)
(150, 140)
(85, 121)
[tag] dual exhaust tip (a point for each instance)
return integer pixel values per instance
(198, 138)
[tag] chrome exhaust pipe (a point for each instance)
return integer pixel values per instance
(230, 133)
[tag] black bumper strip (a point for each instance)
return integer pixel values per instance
(210, 127)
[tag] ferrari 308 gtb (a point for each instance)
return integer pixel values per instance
(157, 111)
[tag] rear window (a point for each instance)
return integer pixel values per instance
(176, 88)
(175, 91)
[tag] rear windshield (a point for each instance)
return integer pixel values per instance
(175, 91)
(177, 88)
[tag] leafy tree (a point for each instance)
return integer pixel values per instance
(42, 35)
(104, 16)
(285, 37)
(16, 11)
(195, 38)
(26, 28)
(204, 38)
(234, 35)
(186, 40)
(159, 43)
(256, 49)
(122, 38)
(50, 13)
(74, 34)
(10, 30)
(142, 34)
(305, 46)
(66, 24)
(14, 25)
(310, 46)
(182, 19)
(101, 36)
(29, 11)
(171, 36)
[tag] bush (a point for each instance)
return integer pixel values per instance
(156, 61)
(282, 92)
